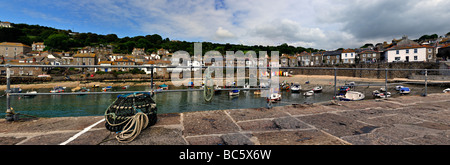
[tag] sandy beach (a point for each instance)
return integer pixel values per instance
(314, 80)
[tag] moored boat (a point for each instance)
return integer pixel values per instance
(274, 97)
(317, 89)
(404, 90)
(234, 92)
(351, 96)
(57, 89)
(296, 88)
(446, 90)
(383, 94)
(309, 93)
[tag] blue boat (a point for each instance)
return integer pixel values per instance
(404, 90)
(234, 92)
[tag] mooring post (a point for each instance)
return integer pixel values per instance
(9, 113)
(335, 75)
(151, 86)
(385, 81)
(426, 82)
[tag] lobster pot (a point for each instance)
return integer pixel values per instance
(126, 106)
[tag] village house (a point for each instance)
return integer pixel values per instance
(348, 56)
(37, 46)
(105, 63)
(125, 61)
(304, 58)
(22, 71)
(13, 49)
(332, 57)
(284, 60)
(368, 56)
(316, 58)
(138, 51)
(410, 53)
(5, 24)
(407, 50)
(85, 59)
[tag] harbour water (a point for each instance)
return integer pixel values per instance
(168, 102)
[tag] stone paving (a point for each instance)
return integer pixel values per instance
(407, 120)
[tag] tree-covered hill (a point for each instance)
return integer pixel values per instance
(58, 40)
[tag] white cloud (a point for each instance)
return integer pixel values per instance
(222, 33)
(325, 24)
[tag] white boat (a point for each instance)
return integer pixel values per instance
(317, 89)
(234, 92)
(274, 97)
(57, 89)
(30, 92)
(379, 94)
(398, 87)
(296, 88)
(309, 93)
(351, 96)
(446, 90)
(404, 90)
(108, 88)
(246, 87)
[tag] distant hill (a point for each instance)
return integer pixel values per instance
(67, 40)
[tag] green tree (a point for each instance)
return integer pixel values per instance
(58, 41)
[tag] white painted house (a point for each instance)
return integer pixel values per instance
(412, 53)
(348, 56)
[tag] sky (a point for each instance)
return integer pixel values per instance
(321, 24)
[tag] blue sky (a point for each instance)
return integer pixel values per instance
(325, 24)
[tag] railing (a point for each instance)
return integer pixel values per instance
(10, 114)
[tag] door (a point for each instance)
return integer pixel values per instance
(407, 58)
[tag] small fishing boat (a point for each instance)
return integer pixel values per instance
(296, 88)
(398, 87)
(446, 90)
(57, 89)
(234, 92)
(15, 90)
(309, 93)
(95, 86)
(164, 87)
(257, 92)
(317, 89)
(274, 97)
(31, 94)
(351, 84)
(108, 88)
(380, 94)
(351, 96)
(246, 87)
(76, 89)
(404, 90)
(125, 87)
(217, 89)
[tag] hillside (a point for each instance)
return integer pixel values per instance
(67, 40)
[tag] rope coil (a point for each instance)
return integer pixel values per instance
(129, 114)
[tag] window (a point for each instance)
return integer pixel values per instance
(374, 55)
(364, 55)
(415, 50)
(397, 52)
(351, 55)
(345, 54)
(429, 56)
(328, 57)
(407, 51)
(415, 57)
(429, 50)
(397, 58)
